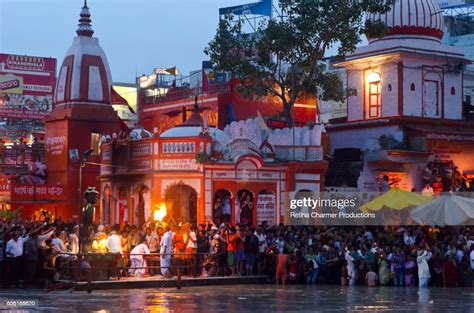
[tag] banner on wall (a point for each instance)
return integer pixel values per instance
(26, 192)
(266, 208)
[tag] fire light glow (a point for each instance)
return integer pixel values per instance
(160, 212)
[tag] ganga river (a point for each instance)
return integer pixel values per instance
(250, 298)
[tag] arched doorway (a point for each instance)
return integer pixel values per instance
(222, 207)
(244, 207)
(181, 202)
(140, 214)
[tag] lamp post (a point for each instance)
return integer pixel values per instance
(82, 164)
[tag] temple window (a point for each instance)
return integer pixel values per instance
(431, 94)
(373, 95)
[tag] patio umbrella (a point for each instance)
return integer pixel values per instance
(395, 198)
(445, 210)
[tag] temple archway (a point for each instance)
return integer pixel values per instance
(181, 202)
(244, 207)
(222, 207)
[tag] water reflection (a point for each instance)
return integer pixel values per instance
(254, 298)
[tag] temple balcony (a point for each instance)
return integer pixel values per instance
(299, 153)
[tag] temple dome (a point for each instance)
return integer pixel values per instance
(411, 17)
(84, 76)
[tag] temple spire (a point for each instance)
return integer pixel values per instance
(84, 28)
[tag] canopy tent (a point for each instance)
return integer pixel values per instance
(445, 210)
(396, 199)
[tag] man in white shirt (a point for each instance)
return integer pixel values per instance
(74, 241)
(14, 252)
(41, 239)
(409, 238)
(152, 239)
(58, 243)
(262, 246)
(137, 259)
(423, 269)
(114, 243)
(166, 251)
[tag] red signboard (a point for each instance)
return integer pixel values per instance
(46, 192)
(26, 86)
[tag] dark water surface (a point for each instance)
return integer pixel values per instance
(252, 298)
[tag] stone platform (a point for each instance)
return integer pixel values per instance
(159, 282)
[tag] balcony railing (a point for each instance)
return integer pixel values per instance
(299, 153)
(185, 93)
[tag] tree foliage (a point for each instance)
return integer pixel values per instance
(282, 58)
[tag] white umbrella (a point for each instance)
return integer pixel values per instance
(445, 210)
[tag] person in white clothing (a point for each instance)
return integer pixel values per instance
(14, 253)
(58, 243)
(351, 268)
(166, 251)
(114, 243)
(41, 239)
(423, 269)
(74, 241)
(137, 259)
(471, 256)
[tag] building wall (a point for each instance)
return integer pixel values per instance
(355, 103)
(365, 138)
(453, 102)
(389, 89)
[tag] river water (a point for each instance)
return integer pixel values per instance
(251, 298)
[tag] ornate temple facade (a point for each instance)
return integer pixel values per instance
(243, 173)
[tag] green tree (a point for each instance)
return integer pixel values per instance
(283, 56)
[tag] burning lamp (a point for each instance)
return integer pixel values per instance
(160, 212)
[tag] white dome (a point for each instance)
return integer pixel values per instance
(412, 17)
(140, 133)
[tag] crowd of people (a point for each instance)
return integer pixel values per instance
(371, 256)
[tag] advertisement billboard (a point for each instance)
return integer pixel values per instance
(26, 86)
(264, 7)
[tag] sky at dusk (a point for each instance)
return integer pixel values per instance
(137, 35)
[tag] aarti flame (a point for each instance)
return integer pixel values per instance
(160, 212)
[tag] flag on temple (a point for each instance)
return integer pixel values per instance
(173, 71)
(261, 122)
(318, 113)
(123, 125)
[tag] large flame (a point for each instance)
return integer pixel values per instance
(160, 212)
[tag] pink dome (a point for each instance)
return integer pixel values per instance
(412, 17)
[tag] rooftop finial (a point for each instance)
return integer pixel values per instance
(84, 27)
